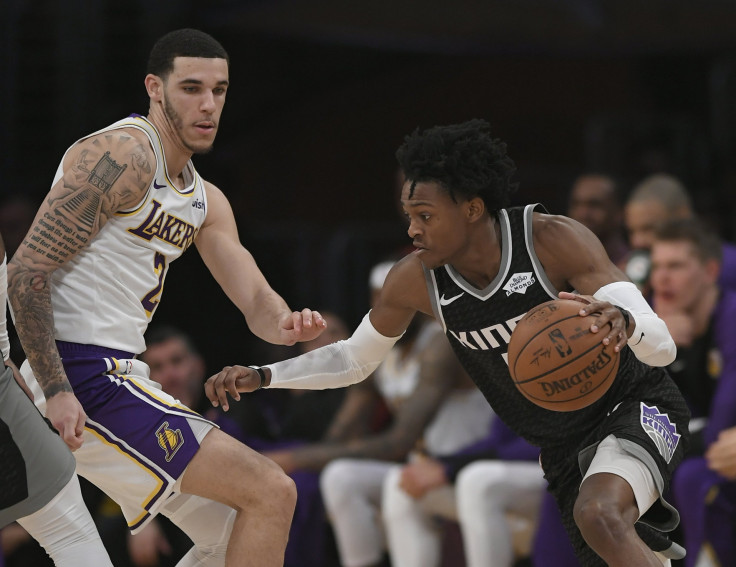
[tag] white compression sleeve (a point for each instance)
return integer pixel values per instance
(333, 366)
(4, 340)
(650, 341)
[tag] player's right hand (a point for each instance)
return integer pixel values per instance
(65, 413)
(231, 380)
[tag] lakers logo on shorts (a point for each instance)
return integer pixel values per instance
(170, 440)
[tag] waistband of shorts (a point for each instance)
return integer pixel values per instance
(77, 350)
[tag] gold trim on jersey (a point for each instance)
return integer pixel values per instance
(159, 481)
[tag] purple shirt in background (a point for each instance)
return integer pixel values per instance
(501, 443)
(723, 406)
(727, 279)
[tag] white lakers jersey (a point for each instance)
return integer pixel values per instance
(107, 293)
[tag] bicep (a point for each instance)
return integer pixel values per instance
(572, 256)
(229, 262)
(100, 176)
(404, 293)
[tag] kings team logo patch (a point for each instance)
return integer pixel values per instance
(661, 430)
(170, 440)
(519, 282)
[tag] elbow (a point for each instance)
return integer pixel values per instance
(662, 355)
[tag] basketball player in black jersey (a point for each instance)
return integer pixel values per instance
(477, 268)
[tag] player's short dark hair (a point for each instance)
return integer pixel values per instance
(707, 244)
(185, 42)
(463, 158)
(162, 333)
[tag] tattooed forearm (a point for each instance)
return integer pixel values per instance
(28, 292)
(52, 237)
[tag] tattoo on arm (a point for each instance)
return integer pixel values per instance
(83, 205)
(92, 189)
(29, 296)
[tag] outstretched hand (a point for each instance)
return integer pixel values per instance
(301, 326)
(231, 380)
(607, 314)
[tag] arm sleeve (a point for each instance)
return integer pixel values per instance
(337, 365)
(650, 341)
(4, 340)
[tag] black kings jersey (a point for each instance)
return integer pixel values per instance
(479, 323)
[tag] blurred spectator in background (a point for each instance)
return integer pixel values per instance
(595, 202)
(433, 411)
(654, 201)
(276, 423)
(492, 487)
(702, 321)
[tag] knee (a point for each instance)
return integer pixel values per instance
(276, 486)
(478, 482)
(599, 520)
(395, 503)
(336, 483)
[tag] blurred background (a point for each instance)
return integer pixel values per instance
(323, 92)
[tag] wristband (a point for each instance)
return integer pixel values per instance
(626, 315)
(261, 373)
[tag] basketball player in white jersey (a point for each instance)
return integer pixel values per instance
(125, 202)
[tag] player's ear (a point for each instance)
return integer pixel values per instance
(475, 209)
(154, 87)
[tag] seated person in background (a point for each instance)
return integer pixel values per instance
(702, 321)
(442, 409)
(595, 202)
(701, 318)
(276, 422)
(477, 486)
(656, 200)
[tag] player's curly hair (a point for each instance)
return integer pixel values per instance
(463, 158)
(185, 42)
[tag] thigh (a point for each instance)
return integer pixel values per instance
(610, 466)
(223, 465)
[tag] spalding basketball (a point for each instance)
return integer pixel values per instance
(556, 361)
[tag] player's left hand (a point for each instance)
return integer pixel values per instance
(301, 326)
(607, 314)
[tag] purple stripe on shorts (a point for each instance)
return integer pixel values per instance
(121, 407)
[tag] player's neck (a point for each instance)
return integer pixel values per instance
(481, 261)
(175, 153)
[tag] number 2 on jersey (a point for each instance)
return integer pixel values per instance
(151, 299)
